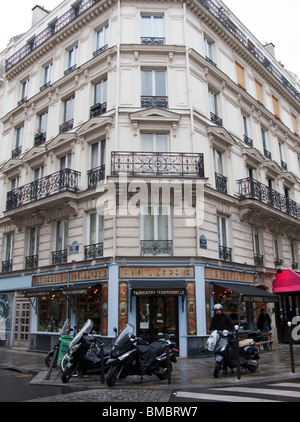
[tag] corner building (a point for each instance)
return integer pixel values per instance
(149, 168)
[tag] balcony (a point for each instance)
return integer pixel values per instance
(31, 262)
(157, 164)
(66, 126)
(153, 40)
(154, 102)
(16, 152)
(225, 253)
(95, 176)
(156, 247)
(93, 251)
(39, 139)
(216, 119)
(7, 266)
(248, 141)
(61, 181)
(258, 260)
(59, 257)
(252, 189)
(221, 183)
(97, 110)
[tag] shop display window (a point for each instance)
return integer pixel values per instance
(51, 312)
(90, 306)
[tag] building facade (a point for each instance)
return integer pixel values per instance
(149, 169)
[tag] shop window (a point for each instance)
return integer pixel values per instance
(92, 306)
(51, 312)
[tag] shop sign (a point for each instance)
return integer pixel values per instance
(72, 277)
(156, 272)
(216, 274)
(155, 292)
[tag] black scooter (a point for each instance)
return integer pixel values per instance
(131, 355)
(223, 345)
(85, 355)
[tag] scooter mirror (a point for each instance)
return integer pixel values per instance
(115, 329)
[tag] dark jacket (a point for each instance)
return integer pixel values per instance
(221, 322)
(263, 320)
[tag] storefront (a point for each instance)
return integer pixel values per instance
(287, 286)
(76, 295)
(236, 292)
(158, 301)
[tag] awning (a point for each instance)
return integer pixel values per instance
(154, 288)
(250, 293)
(286, 281)
(42, 291)
(79, 288)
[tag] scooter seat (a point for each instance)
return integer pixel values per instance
(244, 343)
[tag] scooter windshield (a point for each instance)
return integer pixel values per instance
(124, 335)
(85, 329)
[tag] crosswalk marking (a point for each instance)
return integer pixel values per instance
(269, 391)
(275, 394)
(216, 397)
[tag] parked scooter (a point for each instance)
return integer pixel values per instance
(85, 355)
(65, 331)
(223, 345)
(131, 355)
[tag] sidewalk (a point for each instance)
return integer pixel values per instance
(187, 374)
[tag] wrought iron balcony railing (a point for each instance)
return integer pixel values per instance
(216, 119)
(16, 152)
(248, 141)
(95, 176)
(258, 260)
(252, 189)
(157, 164)
(97, 110)
(154, 102)
(153, 40)
(61, 181)
(225, 253)
(93, 251)
(7, 266)
(66, 126)
(221, 183)
(40, 139)
(156, 247)
(31, 262)
(59, 257)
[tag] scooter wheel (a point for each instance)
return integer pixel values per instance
(49, 358)
(253, 368)
(67, 374)
(113, 375)
(217, 370)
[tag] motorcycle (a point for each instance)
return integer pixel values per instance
(132, 355)
(85, 355)
(223, 345)
(65, 331)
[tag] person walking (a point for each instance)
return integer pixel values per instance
(264, 325)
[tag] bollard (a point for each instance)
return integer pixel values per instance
(168, 364)
(53, 361)
(102, 362)
(238, 366)
(291, 348)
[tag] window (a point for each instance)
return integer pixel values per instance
(51, 312)
(156, 232)
(259, 93)
(72, 59)
(24, 90)
(267, 153)
(100, 92)
(224, 250)
(98, 154)
(247, 139)
(38, 173)
(7, 264)
(295, 124)
(68, 115)
(275, 106)
(214, 108)
(155, 142)
(61, 242)
(47, 75)
(101, 39)
(65, 162)
(95, 236)
(258, 258)
(19, 142)
(152, 29)
(240, 75)
(43, 120)
(154, 89)
(220, 179)
(33, 247)
(209, 52)
(281, 154)
(276, 248)
(294, 257)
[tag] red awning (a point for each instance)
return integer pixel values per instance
(287, 281)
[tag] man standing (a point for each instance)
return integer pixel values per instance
(264, 325)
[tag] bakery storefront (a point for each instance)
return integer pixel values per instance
(158, 301)
(76, 295)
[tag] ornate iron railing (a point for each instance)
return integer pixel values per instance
(59, 257)
(63, 180)
(93, 251)
(258, 260)
(157, 164)
(95, 176)
(66, 126)
(248, 141)
(40, 139)
(31, 262)
(154, 102)
(153, 40)
(51, 30)
(156, 247)
(252, 189)
(225, 253)
(7, 266)
(97, 110)
(16, 152)
(216, 119)
(221, 183)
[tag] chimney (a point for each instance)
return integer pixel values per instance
(38, 13)
(270, 47)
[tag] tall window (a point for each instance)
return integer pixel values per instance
(224, 250)
(102, 39)
(214, 112)
(275, 106)
(152, 29)
(72, 58)
(33, 247)
(209, 52)
(155, 142)
(98, 154)
(220, 179)
(24, 90)
(156, 232)
(19, 142)
(295, 124)
(259, 92)
(276, 248)
(47, 75)
(69, 109)
(43, 121)
(258, 258)
(59, 256)
(154, 85)
(294, 254)
(240, 75)
(65, 162)
(264, 139)
(9, 248)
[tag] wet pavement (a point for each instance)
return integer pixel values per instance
(187, 374)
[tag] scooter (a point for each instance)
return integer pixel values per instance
(66, 330)
(223, 345)
(132, 355)
(85, 355)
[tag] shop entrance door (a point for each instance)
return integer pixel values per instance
(22, 318)
(156, 316)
